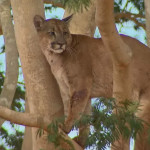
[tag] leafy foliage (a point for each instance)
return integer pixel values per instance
(14, 141)
(49, 8)
(128, 5)
(106, 127)
(75, 5)
(54, 135)
(132, 8)
(139, 6)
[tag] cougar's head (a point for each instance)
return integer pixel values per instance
(54, 34)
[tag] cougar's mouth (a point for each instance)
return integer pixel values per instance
(58, 48)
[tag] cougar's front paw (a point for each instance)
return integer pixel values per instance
(68, 125)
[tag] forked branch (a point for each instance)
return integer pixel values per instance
(33, 120)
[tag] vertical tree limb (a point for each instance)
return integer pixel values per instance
(121, 53)
(11, 55)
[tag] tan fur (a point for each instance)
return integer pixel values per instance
(83, 70)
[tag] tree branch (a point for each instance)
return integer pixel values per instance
(110, 36)
(121, 53)
(11, 55)
(27, 119)
(33, 120)
(132, 17)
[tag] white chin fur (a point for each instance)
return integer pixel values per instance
(57, 51)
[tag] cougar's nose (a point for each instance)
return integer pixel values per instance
(62, 45)
(58, 45)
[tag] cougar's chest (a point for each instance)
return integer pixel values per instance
(66, 71)
(61, 76)
(59, 66)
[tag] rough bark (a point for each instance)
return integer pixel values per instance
(11, 55)
(147, 14)
(121, 56)
(83, 22)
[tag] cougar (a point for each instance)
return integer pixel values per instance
(83, 68)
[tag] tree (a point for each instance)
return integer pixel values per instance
(31, 60)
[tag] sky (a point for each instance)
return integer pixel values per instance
(127, 29)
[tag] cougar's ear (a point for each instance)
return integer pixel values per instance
(38, 22)
(68, 19)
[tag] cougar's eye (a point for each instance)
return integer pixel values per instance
(52, 33)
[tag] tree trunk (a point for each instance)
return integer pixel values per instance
(83, 22)
(41, 88)
(147, 14)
